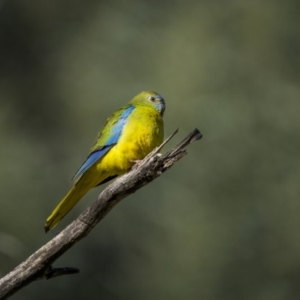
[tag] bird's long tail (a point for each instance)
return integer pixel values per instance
(64, 206)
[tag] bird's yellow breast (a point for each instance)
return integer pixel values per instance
(142, 133)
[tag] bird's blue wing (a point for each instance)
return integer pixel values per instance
(92, 158)
(98, 151)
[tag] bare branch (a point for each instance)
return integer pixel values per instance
(39, 264)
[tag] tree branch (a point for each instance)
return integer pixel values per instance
(39, 264)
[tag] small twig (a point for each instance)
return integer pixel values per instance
(157, 149)
(55, 272)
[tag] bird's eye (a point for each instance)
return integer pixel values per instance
(152, 98)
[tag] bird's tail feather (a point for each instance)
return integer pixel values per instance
(64, 206)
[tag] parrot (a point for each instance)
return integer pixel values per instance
(131, 133)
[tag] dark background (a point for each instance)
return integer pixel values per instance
(224, 222)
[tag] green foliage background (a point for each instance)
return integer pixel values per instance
(224, 222)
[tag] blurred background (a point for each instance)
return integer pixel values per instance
(224, 222)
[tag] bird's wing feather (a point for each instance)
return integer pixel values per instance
(107, 138)
(92, 158)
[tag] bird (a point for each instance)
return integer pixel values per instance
(131, 133)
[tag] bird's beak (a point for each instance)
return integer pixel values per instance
(160, 103)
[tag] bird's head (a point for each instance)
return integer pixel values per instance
(151, 98)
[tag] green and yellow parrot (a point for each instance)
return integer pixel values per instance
(127, 136)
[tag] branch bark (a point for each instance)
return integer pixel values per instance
(39, 264)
